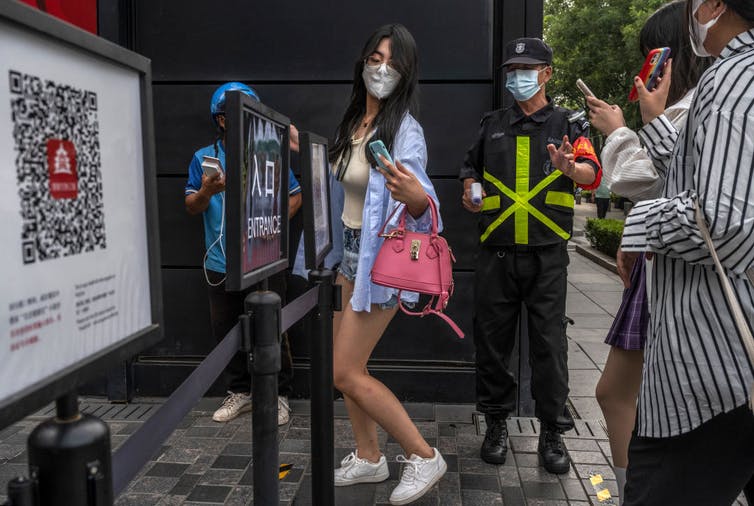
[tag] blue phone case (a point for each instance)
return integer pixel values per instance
(378, 148)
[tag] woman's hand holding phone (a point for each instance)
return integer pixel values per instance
(604, 117)
(653, 103)
(404, 186)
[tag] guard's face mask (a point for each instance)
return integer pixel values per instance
(380, 80)
(698, 31)
(523, 83)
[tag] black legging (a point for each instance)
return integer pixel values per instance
(602, 206)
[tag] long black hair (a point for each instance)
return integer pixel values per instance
(402, 100)
(743, 8)
(667, 28)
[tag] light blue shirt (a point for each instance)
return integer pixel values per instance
(602, 192)
(411, 150)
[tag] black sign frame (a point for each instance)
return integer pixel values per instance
(237, 106)
(314, 258)
(66, 380)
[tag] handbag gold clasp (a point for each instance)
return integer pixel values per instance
(415, 245)
(392, 234)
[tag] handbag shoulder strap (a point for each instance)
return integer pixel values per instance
(402, 222)
(730, 295)
(428, 310)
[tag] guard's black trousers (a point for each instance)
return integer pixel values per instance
(506, 277)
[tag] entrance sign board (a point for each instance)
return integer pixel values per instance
(80, 256)
(256, 206)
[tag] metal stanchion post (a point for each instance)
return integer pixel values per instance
(70, 455)
(264, 312)
(20, 492)
(321, 336)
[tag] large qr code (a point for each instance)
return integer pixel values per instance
(59, 178)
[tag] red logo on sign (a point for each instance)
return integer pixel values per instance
(61, 163)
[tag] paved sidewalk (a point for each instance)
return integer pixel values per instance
(208, 463)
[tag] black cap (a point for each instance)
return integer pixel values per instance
(527, 50)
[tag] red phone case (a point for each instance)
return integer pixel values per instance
(651, 70)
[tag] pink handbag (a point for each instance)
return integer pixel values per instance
(417, 262)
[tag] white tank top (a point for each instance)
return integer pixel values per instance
(355, 182)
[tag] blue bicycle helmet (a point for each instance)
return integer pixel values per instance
(217, 104)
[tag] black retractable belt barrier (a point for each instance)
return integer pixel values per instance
(141, 445)
(297, 309)
(69, 456)
(136, 451)
(263, 309)
(321, 336)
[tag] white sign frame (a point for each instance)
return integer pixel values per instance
(70, 299)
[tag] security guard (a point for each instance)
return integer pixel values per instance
(526, 161)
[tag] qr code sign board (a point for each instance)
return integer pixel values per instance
(58, 168)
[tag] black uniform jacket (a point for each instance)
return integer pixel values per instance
(509, 145)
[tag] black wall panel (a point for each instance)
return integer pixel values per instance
(186, 306)
(181, 234)
(460, 225)
(429, 339)
(301, 40)
(449, 114)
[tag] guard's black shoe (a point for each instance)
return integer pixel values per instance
(495, 445)
(552, 452)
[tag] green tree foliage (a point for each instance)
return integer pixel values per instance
(597, 41)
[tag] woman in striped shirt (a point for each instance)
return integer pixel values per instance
(629, 171)
(694, 438)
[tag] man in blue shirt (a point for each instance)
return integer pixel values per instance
(206, 195)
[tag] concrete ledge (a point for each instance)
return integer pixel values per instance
(597, 257)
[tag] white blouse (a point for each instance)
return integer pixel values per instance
(627, 167)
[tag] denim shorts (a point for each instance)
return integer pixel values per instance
(351, 242)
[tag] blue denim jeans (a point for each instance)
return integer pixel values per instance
(349, 264)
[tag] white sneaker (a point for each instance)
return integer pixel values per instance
(354, 470)
(233, 405)
(419, 475)
(284, 410)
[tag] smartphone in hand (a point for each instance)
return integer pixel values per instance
(584, 88)
(211, 166)
(651, 70)
(378, 148)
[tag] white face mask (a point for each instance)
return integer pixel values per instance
(698, 31)
(380, 80)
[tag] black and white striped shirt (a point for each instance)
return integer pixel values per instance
(695, 365)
